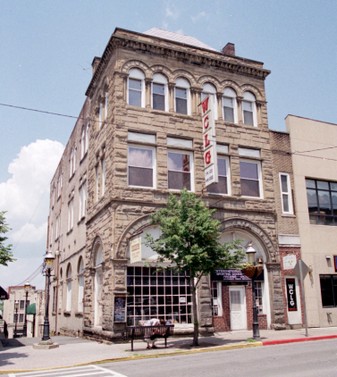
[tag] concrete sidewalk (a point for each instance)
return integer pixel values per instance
(19, 355)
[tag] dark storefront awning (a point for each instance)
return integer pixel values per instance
(3, 294)
(31, 309)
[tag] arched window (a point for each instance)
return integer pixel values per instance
(159, 92)
(249, 109)
(182, 96)
(69, 289)
(136, 88)
(209, 90)
(98, 283)
(229, 106)
(80, 295)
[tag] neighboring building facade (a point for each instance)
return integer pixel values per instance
(313, 150)
(15, 308)
(138, 138)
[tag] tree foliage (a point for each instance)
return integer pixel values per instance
(5, 250)
(189, 240)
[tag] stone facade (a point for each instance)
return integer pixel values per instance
(117, 212)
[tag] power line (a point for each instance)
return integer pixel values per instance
(94, 120)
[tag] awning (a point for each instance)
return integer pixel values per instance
(3, 294)
(31, 309)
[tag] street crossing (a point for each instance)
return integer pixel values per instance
(88, 370)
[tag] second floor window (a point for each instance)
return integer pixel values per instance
(322, 201)
(141, 163)
(286, 197)
(250, 173)
(180, 170)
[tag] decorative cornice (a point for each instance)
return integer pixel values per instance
(193, 55)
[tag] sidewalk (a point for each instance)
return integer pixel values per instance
(19, 355)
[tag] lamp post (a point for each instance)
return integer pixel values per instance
(48, 259)
(251, 252)
(16, 308)
(26, 288)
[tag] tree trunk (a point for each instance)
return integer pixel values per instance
(195, 313)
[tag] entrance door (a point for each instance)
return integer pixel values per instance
(237, 304)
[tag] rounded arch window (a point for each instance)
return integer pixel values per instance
(229, 106)
(182, 96)
(159, 90)
(209, 90)
(136, 88)
(249, 109)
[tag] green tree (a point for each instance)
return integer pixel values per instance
(5, 251)
(189, 240)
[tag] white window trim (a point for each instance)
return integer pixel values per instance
(154, 164)
(259, 172)
(70, 215)
(250, 98)
(160, 79)
(180, 151)
(288, 193)
(230, 93)
(137, 74)
(182, 83)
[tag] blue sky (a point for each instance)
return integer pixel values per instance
(47, 48)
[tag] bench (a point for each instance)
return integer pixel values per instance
(144, 332)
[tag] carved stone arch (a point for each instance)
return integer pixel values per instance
(232, 85)
(181, 73)
(137, 64)
(256, 231)
(163, 71)
(249, 88)
(134, 228)
(209, 79)
(95, 247)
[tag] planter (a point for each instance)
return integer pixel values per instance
(252, 271)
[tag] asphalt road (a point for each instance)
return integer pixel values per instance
(309, 359)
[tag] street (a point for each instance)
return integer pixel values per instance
(309, 359)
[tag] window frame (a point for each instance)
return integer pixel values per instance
(249, 99)
(227, 176)
(230, 93)
(259, 178)
(159, 79)
(154, 164)
(286, 194)
(136, 74)
(182, 84)
(191, 170)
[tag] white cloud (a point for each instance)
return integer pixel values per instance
(25, 198)
(171, 12)
(29, 233)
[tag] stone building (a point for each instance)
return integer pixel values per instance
(138, 138)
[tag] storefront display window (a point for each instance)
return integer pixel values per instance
(152, 292)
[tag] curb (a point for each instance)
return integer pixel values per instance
(297, 340)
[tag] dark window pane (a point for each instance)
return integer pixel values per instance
(250, 188)
(181, 106)
(285, 201)
(229, 114)
(220, 187)
(310, 183)
(327, 291)
(140, 177)
(179, 181)
(249, 170)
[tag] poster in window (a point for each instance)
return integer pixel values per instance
(291, 294)
(120, 309)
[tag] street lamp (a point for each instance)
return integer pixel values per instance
(48, 260)
(16, 308)
(251, 253)
(26, 287)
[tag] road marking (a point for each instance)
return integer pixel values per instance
(90, 370)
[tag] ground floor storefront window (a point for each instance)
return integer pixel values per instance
(158, 293)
